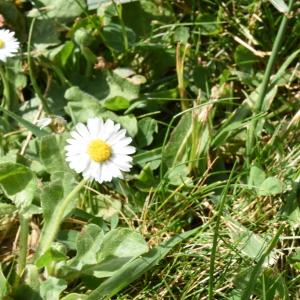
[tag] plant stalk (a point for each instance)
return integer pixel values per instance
(180, 74)
(31, 74)
(259, 107)
(23, 242)
(6, 90)
(50, 233)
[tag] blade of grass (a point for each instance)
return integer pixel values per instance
(265, 82)
(31, 127)
(31, 73)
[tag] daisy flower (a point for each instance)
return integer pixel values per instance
(99, 150)
(8, 44)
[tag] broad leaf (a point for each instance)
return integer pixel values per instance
(136, 268)
(147, 128)
(52, 288)
(3, 284)
(177, 147)
(271, 186)
(88, 244)
(250, 244)
(256, 177)
(19, 184)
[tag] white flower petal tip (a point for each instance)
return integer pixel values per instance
(99, 150)
(9, 45)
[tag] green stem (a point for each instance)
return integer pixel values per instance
(31, 74)
(6, 90)
(264, 86)
(50, 232)
(124, 33)
(180, 74)
(23, 241)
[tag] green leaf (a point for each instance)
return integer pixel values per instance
(52, 154)
(79, 100)
(88, 243)
(45, 34)
(147, 128)
(136, 268)
(52, 288)
(114, 37)
(271, 186)
(250, 244)
(52, 194)
(3, 284)
(120, 87)
(122, 242)
(49, 257)
(19, 184)
(177, 147)
(178, 175)
(181, 34)
(60, 8)
(151, 157)
(102, 256)
(256, 177)
(291, 209)
(146, 179)
(244, 58)
(116, 103)
(108, 207)
(209, 24)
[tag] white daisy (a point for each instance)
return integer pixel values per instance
(99, 150)
(8, 44)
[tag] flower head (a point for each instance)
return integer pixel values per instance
(99, 150)
(8, 44)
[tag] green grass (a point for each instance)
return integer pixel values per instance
(209, 92)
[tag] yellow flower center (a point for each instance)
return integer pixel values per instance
(98, 150)
(2, 44)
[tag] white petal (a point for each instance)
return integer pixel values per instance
(95, 126)
(80, 163)
(82, 130)
(121, 158)
(123, 142)
(124, 150)
(122, 164)
(107, 130)
(116, 136)
(77, 136)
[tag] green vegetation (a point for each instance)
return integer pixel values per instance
(209, 92)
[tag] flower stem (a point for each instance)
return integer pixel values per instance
(180, 58)
(48, 236)
(6, 90)
(31, 73)
(259, 107)
(23, 240)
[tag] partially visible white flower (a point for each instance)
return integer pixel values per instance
(56, 123)
(44, 122)
(9, 45)
(99, 150)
